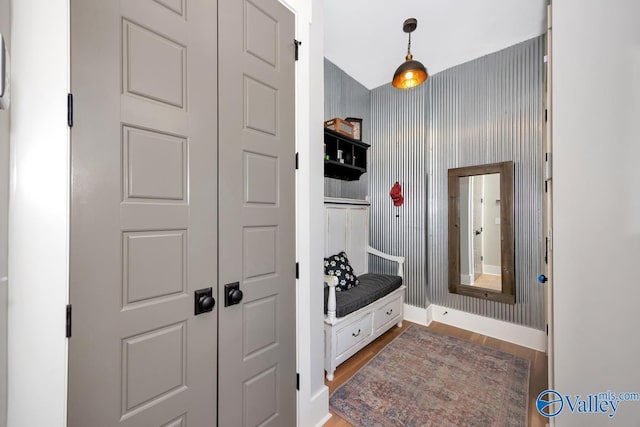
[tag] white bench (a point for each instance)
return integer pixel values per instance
(347, 229)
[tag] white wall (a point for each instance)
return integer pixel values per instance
(491, 230)
(313, 397)
(5, 30)
(466, 224)
(596, 178)
(38, 214)
(315, 163)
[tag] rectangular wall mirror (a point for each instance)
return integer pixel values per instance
(481, 243)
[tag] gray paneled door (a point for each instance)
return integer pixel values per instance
(257, 231)
(165, 203)
(143, 213)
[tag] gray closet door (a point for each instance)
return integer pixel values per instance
(257, 231)
(143, 213)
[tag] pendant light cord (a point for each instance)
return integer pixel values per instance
(409, 46)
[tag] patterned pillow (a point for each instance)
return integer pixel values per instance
(338, 265)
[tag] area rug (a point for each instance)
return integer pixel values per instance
(423, 378)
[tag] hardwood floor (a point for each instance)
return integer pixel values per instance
(489, 281)
(537, 380)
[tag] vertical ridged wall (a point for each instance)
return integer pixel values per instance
(399, 153)
(487, 110)
(491, 110)
(345, 97)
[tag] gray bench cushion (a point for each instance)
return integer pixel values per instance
(371, 288)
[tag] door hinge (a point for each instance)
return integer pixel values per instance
(548, 171)
(297, 381)
(70, 110)
(297, 161)
(481, 258)
(547, 329)
(68, 322)
(297, 270)
(546, 112)
(546, 250)
(297, 43)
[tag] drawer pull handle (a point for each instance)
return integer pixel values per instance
(389, 312)
(356, 334)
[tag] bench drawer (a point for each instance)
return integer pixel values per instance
(388, 312)
(354, 333)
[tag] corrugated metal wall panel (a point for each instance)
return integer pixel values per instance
(487, 110)
(399, 153)
(345, 97)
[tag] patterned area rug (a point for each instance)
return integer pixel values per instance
(423, 378)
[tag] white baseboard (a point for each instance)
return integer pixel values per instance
(324, 420)
(505, 331)
(496, 270)
(316, 411)
(416, 315)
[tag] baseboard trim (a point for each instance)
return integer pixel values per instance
(416, 315)
(466, 279)
(324, 420)
(316, 411)
(495, 270)
(505, 331)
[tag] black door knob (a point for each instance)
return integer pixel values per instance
(203, 301)
(206, 302)
(232, 294)
(235, 296)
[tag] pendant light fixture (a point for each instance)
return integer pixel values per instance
(410, 73)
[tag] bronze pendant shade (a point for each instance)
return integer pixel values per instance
(410, 73)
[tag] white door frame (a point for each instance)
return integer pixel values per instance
(470, 247)
(548, 209)
(38, 213)
(5, 30)
(313, 395)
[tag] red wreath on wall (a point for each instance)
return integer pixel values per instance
(396, 194)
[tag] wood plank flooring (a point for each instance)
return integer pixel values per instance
(537, 381)
(489, 281)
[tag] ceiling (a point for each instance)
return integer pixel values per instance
(365, 37)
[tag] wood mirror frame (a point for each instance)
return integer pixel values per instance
(507, 255)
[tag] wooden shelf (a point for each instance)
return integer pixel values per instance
(354, 156)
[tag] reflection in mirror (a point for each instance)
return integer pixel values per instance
(481, 245)
(480, 231)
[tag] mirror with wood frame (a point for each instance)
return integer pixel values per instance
(481, 242)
